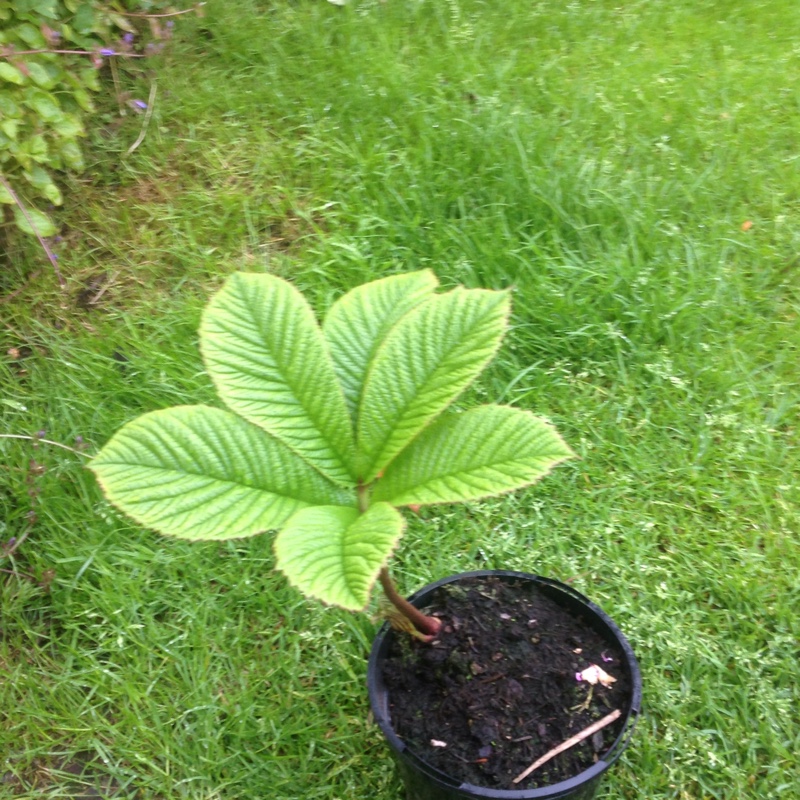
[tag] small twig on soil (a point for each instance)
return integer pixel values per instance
(571, 742)
(103, 289)
(53, 260)
(44, 441)
(150, 105)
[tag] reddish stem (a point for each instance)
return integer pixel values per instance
(427, 625)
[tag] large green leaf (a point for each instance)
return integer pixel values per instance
(482, 452)
(202, 473)
(335, 554)
(357, 323)
(267, 357)
(430, 356)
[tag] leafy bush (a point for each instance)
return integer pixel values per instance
(51, 52)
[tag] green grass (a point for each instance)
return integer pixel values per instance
(599, 157)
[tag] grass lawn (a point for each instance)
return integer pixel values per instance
(632, 170)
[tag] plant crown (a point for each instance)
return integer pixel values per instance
(330, 428)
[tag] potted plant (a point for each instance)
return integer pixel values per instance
(328, 431)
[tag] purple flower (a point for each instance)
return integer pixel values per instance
(41, 434)
(51, 35)
(140, 104)
(107, 51)
(128, 38)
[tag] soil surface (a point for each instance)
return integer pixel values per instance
(497, 689)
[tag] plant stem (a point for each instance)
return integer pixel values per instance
(53, 260)
(362, 493)
(427, 625)
(155, 16)
(10, 55)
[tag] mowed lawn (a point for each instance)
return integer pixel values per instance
(631, 169)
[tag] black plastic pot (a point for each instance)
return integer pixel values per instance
(424, 782)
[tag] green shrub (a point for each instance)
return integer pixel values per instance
(51, 52)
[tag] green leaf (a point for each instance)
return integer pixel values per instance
(265, 353)
(8, 108)
(40, 179)
(357, 323)
(121, 22)
(9, 127)
(482, 452)
(30, 35)
(89, 78)
(34, 148)
(44, 225)
(5, 196)
(72, 154)
(433, 353)
(335, 554)
(41, 75)
(84, 18)
(47, 8)
(44, 104)
(202, 473)
(83, 99)
(10, 73)
(69, 126)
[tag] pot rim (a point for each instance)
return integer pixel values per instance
(378, 694)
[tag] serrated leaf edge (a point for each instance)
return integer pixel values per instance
(489, 358)
(499, 493)
(373, 580)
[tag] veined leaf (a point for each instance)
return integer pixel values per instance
(335, 554)
(33, 222)
(10, 73)
(484, 451)
(202, 473)
(357, 323)
(267, 357)
(430, 356)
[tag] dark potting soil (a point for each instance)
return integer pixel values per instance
(497, 689)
